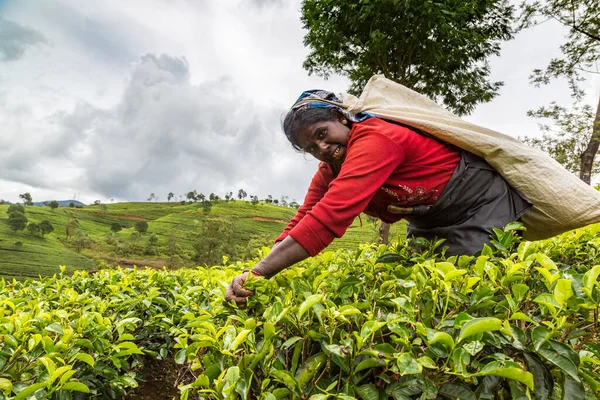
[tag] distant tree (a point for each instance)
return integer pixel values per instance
(153, 240)
(170, 196)
(53, 204)
(152, 197)
(15, 208)
(206, 207)
(33, 228)
(71, 226)
(269, 199)
(141, 226)
(294, 204)
(27, 200)
(254, 200)
(191, 196)
(81, 240)
(201, 197)
(45, 227)
(2, 201)
(17, 221)
(567, 134)
(284, 200)
(18, 245)
(97, 202)
(242, 194)
(212, 197)
(579, 59)
(116, 227)
(72, 205)
(172, 249)
(227, 197)
(214, 241)
(276, 202)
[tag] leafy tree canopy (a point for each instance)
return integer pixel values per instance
(17, 221)
(438, 48)
(27, 200)
(141, 226)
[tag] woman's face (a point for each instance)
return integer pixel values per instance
(325, 140)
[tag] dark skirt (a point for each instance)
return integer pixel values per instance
(475, 200)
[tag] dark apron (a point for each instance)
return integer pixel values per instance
(475, 200)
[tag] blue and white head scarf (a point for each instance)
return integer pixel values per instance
(314, 99)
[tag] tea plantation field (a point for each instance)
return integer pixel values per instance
(23, 254)
(519, 320)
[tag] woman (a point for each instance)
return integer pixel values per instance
(388, 171)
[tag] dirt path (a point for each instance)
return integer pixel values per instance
(131, 217)
(269, 219)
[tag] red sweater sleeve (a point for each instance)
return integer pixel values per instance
(316, 191)
(371, 158)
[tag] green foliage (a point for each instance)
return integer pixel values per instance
(27, 200)
(115, 227)
(567, 135)
(141, 226)
(580, 56)
(17, 221)
(45, 227)
(53, 204)
(33, 228)
(438, 48)
(214, 241)
(15, 208)
(517, 321)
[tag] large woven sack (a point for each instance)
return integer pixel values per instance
(561, 201)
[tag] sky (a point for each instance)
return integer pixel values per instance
(115, 100)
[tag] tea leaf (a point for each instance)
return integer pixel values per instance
(479, 325)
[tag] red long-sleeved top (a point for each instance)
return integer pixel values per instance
(385, 164)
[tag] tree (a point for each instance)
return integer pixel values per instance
(152, 197)
(81, 240)
(214, 241)
(17, 221)
(191, 196)
(170, 196)
(580, 57)
(97, 202)
(115, 227)
(53, 204)
(141, 226)
(566, 136)
(27, 200)
(71, 226)
(242, 194)
(33, 228)
(435, 47)
(269, 199)
(201, 197)
(254, 200)
(15, 208)
(45, 227)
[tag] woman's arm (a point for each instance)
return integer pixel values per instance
(288, 252)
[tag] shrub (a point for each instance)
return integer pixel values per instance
(141, 226)
(116, 227)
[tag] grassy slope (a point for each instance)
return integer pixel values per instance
(42, 256)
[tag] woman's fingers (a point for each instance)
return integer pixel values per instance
(236, 292)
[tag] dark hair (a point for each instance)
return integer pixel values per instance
(297, 119)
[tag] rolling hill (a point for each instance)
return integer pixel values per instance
(23, 254)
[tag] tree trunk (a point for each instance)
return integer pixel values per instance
(384, 233)
(587, 157)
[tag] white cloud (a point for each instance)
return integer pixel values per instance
(150, 96)
(16, 38)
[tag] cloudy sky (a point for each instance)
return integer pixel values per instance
(120, 99)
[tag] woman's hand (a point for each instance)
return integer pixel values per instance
(236, 292)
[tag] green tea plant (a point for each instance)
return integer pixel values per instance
(518, 320)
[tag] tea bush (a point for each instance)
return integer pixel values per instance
(518, 320)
